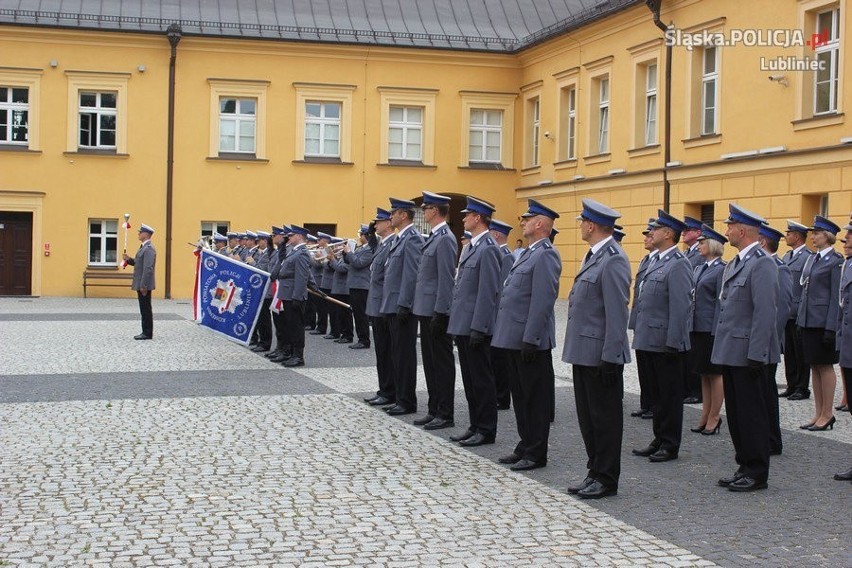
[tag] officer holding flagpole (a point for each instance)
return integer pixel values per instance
(143, 279)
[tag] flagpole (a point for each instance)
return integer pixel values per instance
(126, 226)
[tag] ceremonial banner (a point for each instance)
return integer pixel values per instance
(228, 295)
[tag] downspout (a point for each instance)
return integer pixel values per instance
(174, 34)
(654, 6)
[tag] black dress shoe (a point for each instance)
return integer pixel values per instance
(463, 436)
(799, 395)
(280, 358)
(309, 327)
(526, 465)
(725, 481)
(596, 490)
(691, 400)
(647, 415)
(423, 421)
(510, 458)
(439, 424)
(259, 348)
(844, 475)
(577, 487)
(330, 336)
(638, 413)
(842, 407)
(141, 336)
(380, 401)
(344, 340)
(272, 354)
(317, 332)
(360, 345)
(662, 455)
(294, 362)
(478, 439)
(400, 410)
(745, 484)
(785, 393)
(646, 451)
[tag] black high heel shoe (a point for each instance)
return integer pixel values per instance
(714, 431)
(827, 426)
(699, 429)
(807, 426)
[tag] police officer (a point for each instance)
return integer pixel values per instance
(220, 243)
(284, 349)
(340, 292)
(746, 343)
(663, 322)
(692, 380)
(645, 399)
(796, 370)
(472, 319)
(397, 300)
(618, 234)
(358, 282)
(251, 248)
(318, 272)
(384, 238)
(432, 300)
(502, 382)
(264, 319)
(143, 279)
(311, 306)
(525, 334)
(844, 327)
(326, 283)
(295, 272)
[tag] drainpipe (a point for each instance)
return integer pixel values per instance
(174, 34)
(654, 6)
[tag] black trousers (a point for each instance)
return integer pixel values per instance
(666, 383)
(600, 414)
(748, 419)
(530, 386)
(384, 360)
(403, 341)
(774, 415)
(311, 311)
(264, 324)
(439, 366)
(502, 377)
(691, 377)
(146, 312)
(343, 317)
(478, 380)
(796, 370)
(294, 324)
(358, 301)
(322, 307)
(333, 318)
(846, 374)
(646, 399)
(281, 340)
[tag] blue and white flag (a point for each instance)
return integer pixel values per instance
(229, 295)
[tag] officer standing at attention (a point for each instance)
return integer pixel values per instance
(597, 346)
(295, 272)
(358, 282)
(324, 314)
(340, 292)
(525, 334)
(645, 399)
(692, 380)
(143, 279)
(502, 381)
(326, 283)
(844, 327)
(397, 300)
(311, 306)
(746, 343)
(796, 369)
(663, 322)
(432, 300)
(381, 241)
(472, 322)
(220, 243)
(282, 351)
(264, 319)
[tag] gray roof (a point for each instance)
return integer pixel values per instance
(503, 26)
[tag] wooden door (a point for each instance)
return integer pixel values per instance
(16, 253)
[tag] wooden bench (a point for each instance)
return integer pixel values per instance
(116, 278)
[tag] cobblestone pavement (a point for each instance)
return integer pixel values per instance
(189, 450)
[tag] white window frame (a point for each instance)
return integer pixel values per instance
(536, 127)
(103, 235)
(11, 108)
(603, 114)
(98, 111)
(651, 104)
(571, 127)
(408, 129)
(707, 79)
(323, 122)
(484, 129)
(238, 118)
(832, 48)
(210, 227)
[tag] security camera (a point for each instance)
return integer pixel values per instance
(780, 79)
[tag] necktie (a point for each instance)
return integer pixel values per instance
(703, 270)
(588, 256)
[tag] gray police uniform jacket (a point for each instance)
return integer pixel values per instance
(327, 280)
(596, 331)
(784, 308)
(694, 257)
(294, 274)
(475, 289)
(359, 262)
(820, 301)
(796, 262)
(377, 278)
(747, 329)
(436, 274)
(664, 310)
(506, 262)
(272, 265)
(844, 317)
(143, 267)
(527, 296)
(341, 274)
(316, 270)
(401, 267)
(708, 284)
(640, 275)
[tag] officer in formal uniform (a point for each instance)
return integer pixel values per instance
(663, 323)
(769, 239)
(746, 343)
(642, 370)
(401, 269)
(220, 243)
(472, 322)
(233, 244)
(318, 272)
(340, 292)
(618, 234)
(384, 238)
(143, 279)
(596, 345)
(326, 283)
(465, 239)
(844, 327)
(525, 334)
(295, 273)
(692, 380)
(500, 232)
(796, 369)
(432, 300)
(311, 306)
(358, 282)
(263, 329)
(250, 248)
(283, 350)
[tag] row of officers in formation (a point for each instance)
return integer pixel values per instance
(703, 329)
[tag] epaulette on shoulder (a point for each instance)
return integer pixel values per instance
(678, 254)
(489, 239)
(547, 245)
(442, 231)
(779, 262)
(759, 252)
(612, 251)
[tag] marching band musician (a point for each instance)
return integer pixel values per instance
(251, 249)
(295, 273)
(311, 306)
(220, 243)
(326, 283)
(340, 291)
(358, 282)
(318, 271)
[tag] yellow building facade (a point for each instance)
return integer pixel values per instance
(320, 134)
